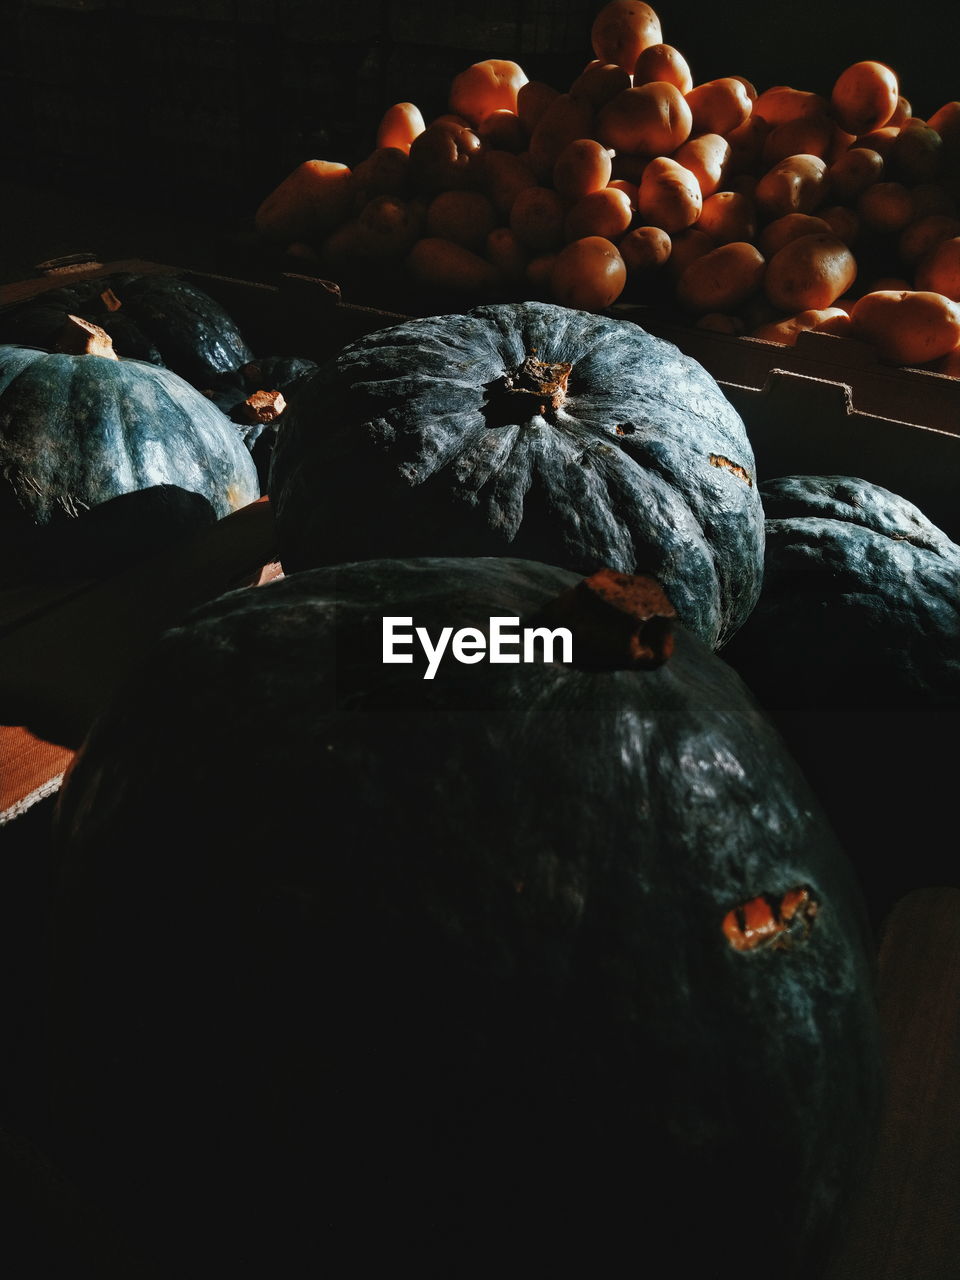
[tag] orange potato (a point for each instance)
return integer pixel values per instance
(902, 112)
(939, 269)
(650, 120)
(916, 155)
(565, 120)
(533, 98)
(385, 172)
(507, 254)
(622, 30)
(924, 234)
(807, 135)
(599, 82)
(946, 121)
(728, 216)
(487, 86)
(388, 227)
(446, 267)
(707, 157)
(880, 140)
(722, 279)
(885, 207)
(463, 217)
(746, 145)
(583, 165)
(719, 106)
(644, 249)
(588, 274)
(781, 104)
(501, 176)
(826, 320)
(539, 274)
(809, 272)
(794, 185)
(502, 131)
(399, 125)
(663, 62)
(606, 213)
(842, 221)
(536, 219)
(854, 171)
(864, 97)
(686, 247)
(444, 156)
(907, 326)
(790, 227)
(308, 203)
(629, 189)
(669, 195)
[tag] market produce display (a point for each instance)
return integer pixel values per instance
(531, 965)
(526, 429)
(762, 212)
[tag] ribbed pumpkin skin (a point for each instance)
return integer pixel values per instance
(460, 971)
(76, 431)
(161, 319)
(860, 603)
(404, 445)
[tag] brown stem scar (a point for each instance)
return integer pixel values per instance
(717, 460)
(618, 621)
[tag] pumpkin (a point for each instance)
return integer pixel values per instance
(531, 430)
(860, 580)
(854, 650)
(158, 318)
(78, 430)
(532, 965)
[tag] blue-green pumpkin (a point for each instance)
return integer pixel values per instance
(528, 969)
(532, 430)
(79, 430)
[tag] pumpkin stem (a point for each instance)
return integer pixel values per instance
(263, 406)
(79, 337)
(618, 621)
(536, 387)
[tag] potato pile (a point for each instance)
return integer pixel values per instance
(760, 213)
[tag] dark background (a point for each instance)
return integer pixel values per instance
(189, 111)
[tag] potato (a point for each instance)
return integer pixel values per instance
(598, 82)
(622, 30)
(652, 120)
(663, 62)
(443, 157)
(854, 171)
(537, 218)
(606, 213)
(939, 269)
(565, 119)
(722, 279)
(782, 103)
(439, 265)
(728, 216)
(719, 106)
(588, 274)
(864, 97)
(399, 125)
(828, 320)
(669, 195)
(790, 227)
(810, 272)
(907, 326)
(308, 203)
(707, 157)
(463, 217)
(583, 165)
(644, 250)
(486, 86)
(795, 185)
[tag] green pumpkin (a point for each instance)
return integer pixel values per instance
(79, 430)
(159, 318)
(519, 970)
(529, 430)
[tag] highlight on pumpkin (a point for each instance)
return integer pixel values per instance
(770, 923)
(637, 182)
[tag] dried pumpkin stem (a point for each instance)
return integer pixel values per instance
(80, 337)
(263, 406)
(618, 621)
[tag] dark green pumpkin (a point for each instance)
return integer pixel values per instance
(860, 603)
(160, 318)
(79, 430)
(531, 430)
(854, 650)
(361, 973)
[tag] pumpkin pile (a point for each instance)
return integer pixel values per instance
(761, 213)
